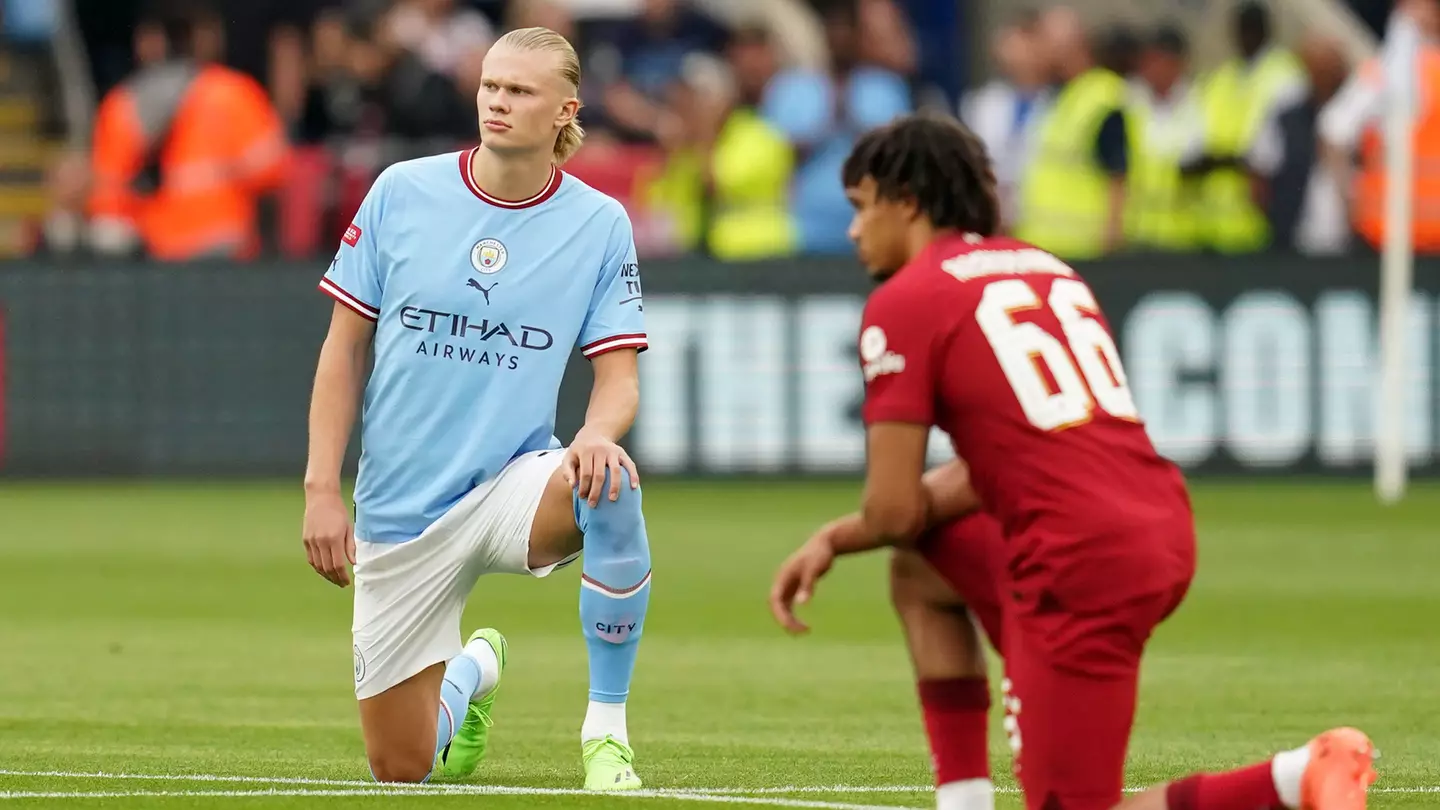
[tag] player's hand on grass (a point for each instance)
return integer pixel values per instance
(586, 461)
(329, 537)
(796, 579)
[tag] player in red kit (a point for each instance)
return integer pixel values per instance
(1062, 533)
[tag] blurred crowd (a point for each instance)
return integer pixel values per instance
(238, 127)
(1116, 142)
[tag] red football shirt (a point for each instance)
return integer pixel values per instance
(1003, 347)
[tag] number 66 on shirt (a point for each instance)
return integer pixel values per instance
(1004, 347)
(1026, 351)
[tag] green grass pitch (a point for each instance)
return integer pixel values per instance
(165, 645)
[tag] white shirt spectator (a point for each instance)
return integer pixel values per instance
(1347, 115)
(1004, 119)
(1176, 123)
(1361, 99)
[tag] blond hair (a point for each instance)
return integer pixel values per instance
(568, 141)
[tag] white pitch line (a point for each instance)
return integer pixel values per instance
(271, 793)
(369, 787)
(711, 798)
(364, 788)
(211, 777)
(802, 789)
(147, 794)
(440, 786)
(785, 789)
(446, 787)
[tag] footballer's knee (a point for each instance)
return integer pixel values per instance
(942, 640)
(916, 585)
(622, 519)
(617, 551)
(628, 501)
(402, 766)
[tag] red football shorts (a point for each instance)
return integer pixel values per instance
(1073, 620)
(970, 555)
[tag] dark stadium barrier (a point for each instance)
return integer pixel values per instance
(1261, 365)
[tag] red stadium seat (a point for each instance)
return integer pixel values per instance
(302, 202)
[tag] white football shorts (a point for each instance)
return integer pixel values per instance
(409, 596)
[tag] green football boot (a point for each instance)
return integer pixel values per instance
(609, 765)
(465, 752)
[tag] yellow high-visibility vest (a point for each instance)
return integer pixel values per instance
(1161, 206)
(1236, 100)
(752, 166)
(1064, 193)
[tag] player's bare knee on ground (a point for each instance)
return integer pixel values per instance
(399, 727)
(396, 766)
(554, 535)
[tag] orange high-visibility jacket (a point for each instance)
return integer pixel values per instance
(220, 146)
(1368, 210)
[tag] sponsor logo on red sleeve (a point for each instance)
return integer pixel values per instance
(876, 355)
(352, 235)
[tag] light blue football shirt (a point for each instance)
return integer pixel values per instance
(478, 303)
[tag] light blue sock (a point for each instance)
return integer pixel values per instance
(614, 588)
(462, 678)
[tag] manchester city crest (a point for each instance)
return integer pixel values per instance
(488, 256)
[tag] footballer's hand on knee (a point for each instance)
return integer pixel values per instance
(795, 581)
(588, 460)
(329, 537)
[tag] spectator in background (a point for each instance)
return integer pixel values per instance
(1239, 97)
(67, 185)
(1003, 111)
(1072, 195)
(750, 165)
(888, 42)
(1167, 127)
(1120, 50)
(182, 152)
(551, 14)
(411, 100)
(334, 97)
(822, 114)
(1352, 124)
(208, 43)
(674, 196)
(444, 37)
(636, 61)
(725, 181)
(1302, 197)
(150, 46)
(267, 41)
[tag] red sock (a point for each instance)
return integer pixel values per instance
(1251, 788)
(955, 711)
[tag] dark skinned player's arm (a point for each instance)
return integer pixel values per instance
(902, 500)
(902, 355)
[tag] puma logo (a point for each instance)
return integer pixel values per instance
(485, 291)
